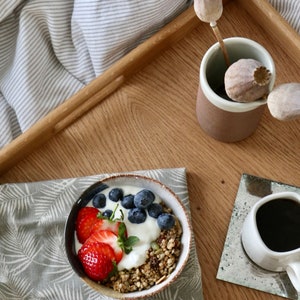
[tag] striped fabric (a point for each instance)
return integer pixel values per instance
(289, 10)
(49, 49)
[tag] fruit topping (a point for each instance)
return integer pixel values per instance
(103, 232)
(154, 210)
(98, 260)
(107, 237)
(86, 210)
(84, 225)
(106, 224)
(143, 198)
(107, 213)
(115, 194)
(127, 201)
(165, 221)
(137, 215)
(99, 200)
(94, 230)
(92, 191)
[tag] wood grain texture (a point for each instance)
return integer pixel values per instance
(150, 122)
(96, 91)
(280, 31)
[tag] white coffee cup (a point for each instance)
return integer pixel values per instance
(256, 240)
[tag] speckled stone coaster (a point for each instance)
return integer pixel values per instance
(235, 266)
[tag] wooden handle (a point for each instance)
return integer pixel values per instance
(280, 30)
(97, 90)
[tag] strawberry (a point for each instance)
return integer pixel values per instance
(98, 260)
(98, 225)
(104, 224)
(107, 237)
(86, 210)
(84, 226)
(104, 242)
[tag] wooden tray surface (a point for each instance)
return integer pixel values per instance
(149, 122)
(73, 108)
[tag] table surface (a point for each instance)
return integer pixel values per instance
(150, 123)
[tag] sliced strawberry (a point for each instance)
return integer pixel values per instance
(98, 225)
(84, 226)
(104, 224)
(97, 260)
(107, 237)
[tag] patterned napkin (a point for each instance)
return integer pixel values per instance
(235, 266)
(33, 262)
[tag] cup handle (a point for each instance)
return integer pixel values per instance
(293, 271)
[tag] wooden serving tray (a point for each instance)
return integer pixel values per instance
(80, 103)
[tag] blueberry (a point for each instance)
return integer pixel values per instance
(127, 201)
(165, 221)
(115, 194)
(154, 210)
(107, 213)
(143, 199)
(137, 215)
(99, 200)
(92, 191)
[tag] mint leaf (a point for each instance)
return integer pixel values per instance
(126, 243)
(129, 243)
(122, 231)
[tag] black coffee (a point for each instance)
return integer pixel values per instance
(278, 222)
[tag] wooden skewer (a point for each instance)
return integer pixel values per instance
(97, 90)
(217, 33)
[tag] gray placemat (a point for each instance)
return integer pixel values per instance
(33, 262)
(235, 266)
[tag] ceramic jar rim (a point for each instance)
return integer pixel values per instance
(220, 102)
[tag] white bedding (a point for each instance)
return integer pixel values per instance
(51, 49)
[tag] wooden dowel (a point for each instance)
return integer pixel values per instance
(221, 42)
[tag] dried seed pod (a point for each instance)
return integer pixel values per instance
(208, 10)
(247, 80)
(284, 101)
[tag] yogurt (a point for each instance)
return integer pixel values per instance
(147, 231)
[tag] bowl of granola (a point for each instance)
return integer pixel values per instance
(128, 236)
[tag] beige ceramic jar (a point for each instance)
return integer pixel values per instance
(220, 118)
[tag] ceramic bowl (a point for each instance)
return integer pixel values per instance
(166, 195)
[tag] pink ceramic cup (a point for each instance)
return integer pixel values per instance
(222, 119)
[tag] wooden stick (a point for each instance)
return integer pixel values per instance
(97, 90)
(221, 42)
